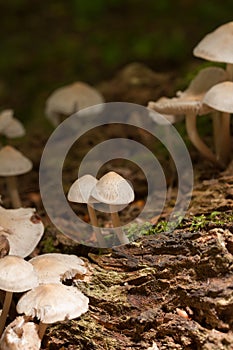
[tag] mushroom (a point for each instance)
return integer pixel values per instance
(114, 190)
(79, 192)
(55, 267)
(52, 303)
(10, 126)
(217, 47)
(16, 275)
(219, 98)
(70, 99)
(13, 163)
(20, 335)
(22, 228)
(189, 103)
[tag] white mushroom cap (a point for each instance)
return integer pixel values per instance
(13, 162)
(20, 335)
(80, 190)
(53, 302)
(16, 274)
(113, 189)
(217, 45)
(70, 99)
(190, 100)
(175, 105)
(22, 228)
(10, 126)
(220, 97)
(55, 267)
(14, 129)
(203, 81)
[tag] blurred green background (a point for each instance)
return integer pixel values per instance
(46, 44)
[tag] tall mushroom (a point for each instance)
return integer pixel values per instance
(114, 190)
(16, 275)
(189, 103)
(79, 192)
(70, 99)
(220, 98)
(13, 163)
(217, 47)
(23, 229)
(52, 303)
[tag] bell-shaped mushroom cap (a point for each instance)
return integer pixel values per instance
(55, 267)
(14, 129)
(220, 97)
(190, 99)
(20, 335)
(10, 126)
(23, 229)
(203, 81)
(13, 162)
(53, 302)
(217, 45)
(80, 190)
(70, 99)
(16, 274)
(113, 189)
(5, 117)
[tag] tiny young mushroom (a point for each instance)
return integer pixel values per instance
(70, 99)
(217, 47)
(219, 98)
(13, 163)
(52, 303)
(114, 190)
(20, 334)
(79, 192)
(22, 228)
(56, 267)
(16, 275)
(10, 126)
(189, 103)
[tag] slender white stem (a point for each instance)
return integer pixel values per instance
(223, 136)
(117, 225)
(5, 310)
(12, 188)
(96, 229)
(191, 127)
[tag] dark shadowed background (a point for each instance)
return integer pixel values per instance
(46, 44)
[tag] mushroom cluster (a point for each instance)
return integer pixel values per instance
(13, 162)
(111, 189)
(45, 298)
(209, 92)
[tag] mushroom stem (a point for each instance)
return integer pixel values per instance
(11, 182)
(5, 310)
(222, 137)
(229, 70)
(191, 127)
(42, 329)
(94, 222)
(117, 225)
